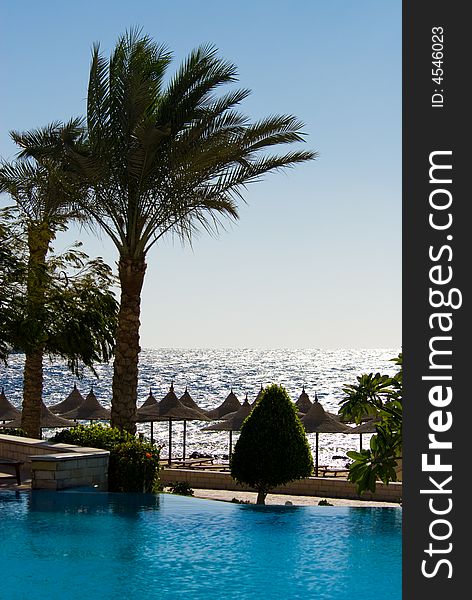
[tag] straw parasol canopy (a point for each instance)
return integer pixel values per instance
(304, 403)
(171, 408)
(189, 402)
(363, 418)
(233, 422)
(369, 426)
(73, 400)
(366, 427)
(48, 420)
(257, 398)
(231, 404)
(150, 402)
(89, 410)
(149, 410)
(317, 420)
(7, 411)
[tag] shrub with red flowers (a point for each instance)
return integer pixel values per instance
(134, 467)
(133, 464)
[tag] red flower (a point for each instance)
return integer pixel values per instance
(148, 455)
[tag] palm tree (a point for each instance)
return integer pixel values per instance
(166, 158)
(12, 272)
(45, 195)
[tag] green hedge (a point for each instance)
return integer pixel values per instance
(133, 464)
(14, 431)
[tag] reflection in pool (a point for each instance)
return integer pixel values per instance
(71, 545)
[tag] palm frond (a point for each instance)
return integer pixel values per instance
(41, 180)
(175, 157)
(191, 88)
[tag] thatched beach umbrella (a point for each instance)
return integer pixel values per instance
(304, 403)
(335, 416)
(230, 405)
(259, 394)
(89, 410)
(233, 423)
(73, 400)
(48, 420)
(318, 421)
(7, 411)
(149, 402)
(171, 408)
(189, 402)
(369, 426)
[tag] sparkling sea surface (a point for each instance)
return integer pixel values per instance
(100, 546)
(209, 374)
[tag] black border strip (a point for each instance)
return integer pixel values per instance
(436, 130)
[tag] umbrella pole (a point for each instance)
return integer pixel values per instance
(230, 444)
(316, 456)
(152, 432)
(360, 443)
(185, 435)
(170, 442)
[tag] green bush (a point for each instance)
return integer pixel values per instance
(133, 464)
(14, 431)
(181, 487)
(92, 436)
(272, 448)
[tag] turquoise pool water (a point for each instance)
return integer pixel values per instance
(97, 546)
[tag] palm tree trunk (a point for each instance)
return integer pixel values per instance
(39, 237)
(32, 393)
(125, 368)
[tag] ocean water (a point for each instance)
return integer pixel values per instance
(209, 374)
(106, 546)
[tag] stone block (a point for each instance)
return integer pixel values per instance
(44, 484)
(67, 465)
(43, 465)
(43, 475)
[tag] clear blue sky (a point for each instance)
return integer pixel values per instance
(315, 260)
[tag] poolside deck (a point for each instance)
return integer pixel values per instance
(8, 482)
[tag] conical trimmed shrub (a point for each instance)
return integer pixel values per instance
(272, 448)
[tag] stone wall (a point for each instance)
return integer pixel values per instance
(326, 487)
(68, 470)
(57, 466)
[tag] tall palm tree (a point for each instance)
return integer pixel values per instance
(166, 158)
(45, 195)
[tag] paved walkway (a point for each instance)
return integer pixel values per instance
(281, 499)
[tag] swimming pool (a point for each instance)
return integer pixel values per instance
(71, 545)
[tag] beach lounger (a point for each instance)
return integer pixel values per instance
(191, 462)
(209, 467)
(330, 472)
